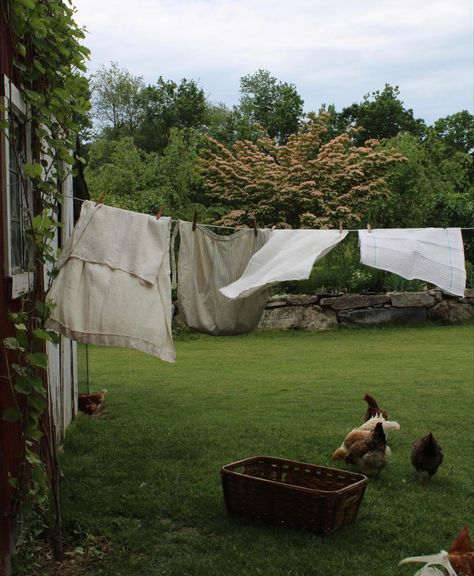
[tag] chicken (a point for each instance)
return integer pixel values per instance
(90, 403)
(373, 408)
(365, 448)
(388, 425)
(427, 454)
(459, 560)
(461, 553)
(362, 433)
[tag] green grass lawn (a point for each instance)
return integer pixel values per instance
(144, 477)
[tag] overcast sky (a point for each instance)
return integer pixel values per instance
(334, 51)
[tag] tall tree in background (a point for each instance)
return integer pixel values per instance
(116, 101)
(457, 131)
(305, 183)
(381, 115)
(126, 175)
(227, 125)
(435, 185)
(450, 144)
(277, 106)
(168, 105)
(179, 173)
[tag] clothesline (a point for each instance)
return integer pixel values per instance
(223, 281)
(224, 227)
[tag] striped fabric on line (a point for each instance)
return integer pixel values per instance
(208, 261)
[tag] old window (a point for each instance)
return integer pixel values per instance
(17, 199)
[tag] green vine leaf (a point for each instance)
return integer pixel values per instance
(27, 3)
(12, 482)
(32, 457)
(23, 385)
(13, 344)
(38, 359)
(11, 415)
(44, 335)
(34, 170)
(38, 475)
(37, 402)
(36, 435)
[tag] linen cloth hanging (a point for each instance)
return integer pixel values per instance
(114, 286)
(208, 261)
(288, 255)
(435, 255)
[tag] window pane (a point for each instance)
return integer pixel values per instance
(15, 198)
(20, 244)
(16, 248)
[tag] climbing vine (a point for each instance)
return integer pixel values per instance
(48, 68)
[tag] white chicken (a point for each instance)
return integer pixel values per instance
(366, 446)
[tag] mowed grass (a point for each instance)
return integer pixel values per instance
(145, 475)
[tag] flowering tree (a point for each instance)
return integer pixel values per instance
(309, 182)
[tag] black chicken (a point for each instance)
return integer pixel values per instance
(427, 454)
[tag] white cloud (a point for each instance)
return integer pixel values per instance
(341, 48)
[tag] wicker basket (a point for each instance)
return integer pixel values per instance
(291, 493)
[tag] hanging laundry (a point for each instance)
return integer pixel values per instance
(208, 261)
(113, 287)
(435, 255)
(288, 255)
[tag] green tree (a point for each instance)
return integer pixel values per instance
(178, 174)
(453, 204)
(116, 101)
(127, 176)
(381, 115)
(227, 125)
(277, 106)
(457, 131)
(412, 185)
(168, 105)
(433, 187)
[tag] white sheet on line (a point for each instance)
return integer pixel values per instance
(435, 255)
(114, 286)
(288, 255)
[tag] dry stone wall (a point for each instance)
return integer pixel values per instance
(327, 311)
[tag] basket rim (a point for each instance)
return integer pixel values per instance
(359, 479)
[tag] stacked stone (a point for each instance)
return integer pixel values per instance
(325, 311)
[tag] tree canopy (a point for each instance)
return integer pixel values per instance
(381, 115)
(116, 100)
(276, 106)
(372, 160)
(304, 183)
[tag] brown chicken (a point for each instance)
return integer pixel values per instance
(367, 449)
(427, 454)
(461, 553)
(459, 561)
(373, 409)
(90, 403)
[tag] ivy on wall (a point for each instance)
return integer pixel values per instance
(49, 60)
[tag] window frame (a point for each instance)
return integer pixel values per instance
(20, 282)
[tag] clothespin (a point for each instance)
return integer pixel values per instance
(340, 226)
(194, 220)
(160, 211)
(254, 225)
(369, 228)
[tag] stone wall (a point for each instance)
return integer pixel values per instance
(326, 311)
